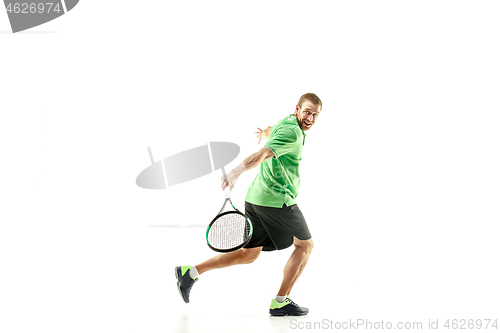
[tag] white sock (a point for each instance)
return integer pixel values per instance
(281, 299)
(193, 272)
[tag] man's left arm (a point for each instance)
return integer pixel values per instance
(263, 134)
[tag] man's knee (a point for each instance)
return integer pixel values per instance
(304, 245)
(250, 255)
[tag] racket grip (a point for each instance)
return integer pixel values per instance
(227, 192)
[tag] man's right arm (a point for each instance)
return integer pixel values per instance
(249, 163)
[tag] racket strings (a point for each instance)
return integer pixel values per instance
(229, 231)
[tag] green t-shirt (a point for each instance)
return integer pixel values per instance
(278, 180)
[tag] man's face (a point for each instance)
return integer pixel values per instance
(307, 115)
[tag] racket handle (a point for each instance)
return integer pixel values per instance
(227, 192)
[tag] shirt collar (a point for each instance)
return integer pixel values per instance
(303, 133)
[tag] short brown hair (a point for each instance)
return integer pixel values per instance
(311, 98)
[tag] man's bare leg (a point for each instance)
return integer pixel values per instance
(295, 265)
(241, 256)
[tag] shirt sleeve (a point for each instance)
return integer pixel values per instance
(282, 141)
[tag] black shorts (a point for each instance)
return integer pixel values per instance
(274, 228)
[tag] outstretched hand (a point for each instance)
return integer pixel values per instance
(263, 134)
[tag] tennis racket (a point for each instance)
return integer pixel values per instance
(230, 230)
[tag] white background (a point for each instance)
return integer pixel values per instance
(400, 181)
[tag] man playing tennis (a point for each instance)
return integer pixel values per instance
(270, 204)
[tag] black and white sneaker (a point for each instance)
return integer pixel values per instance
(287, 308)
(184, 281)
